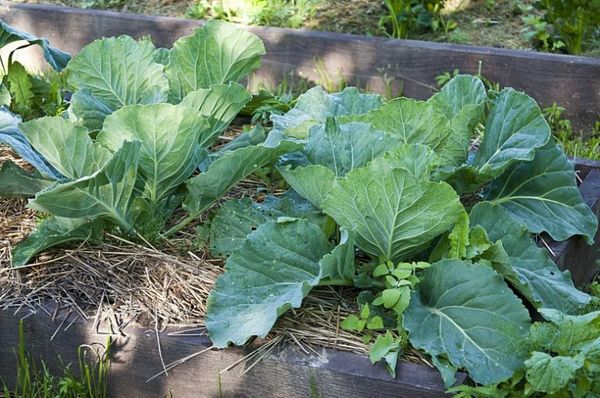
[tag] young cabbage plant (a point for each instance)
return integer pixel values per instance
(462, 179)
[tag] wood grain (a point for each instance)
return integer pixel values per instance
(572, 82)
(286, 374)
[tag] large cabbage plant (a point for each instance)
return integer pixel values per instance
(140, 122)
(428, 206)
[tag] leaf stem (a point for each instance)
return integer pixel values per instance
(336, 282)
(181, 224)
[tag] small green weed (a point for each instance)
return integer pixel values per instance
(33, 382)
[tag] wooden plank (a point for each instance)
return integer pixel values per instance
(572, 82)
(286, 373)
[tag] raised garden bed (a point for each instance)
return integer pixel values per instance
(301, 371)
(572, 82)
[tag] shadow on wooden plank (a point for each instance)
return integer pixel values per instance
(573, 82)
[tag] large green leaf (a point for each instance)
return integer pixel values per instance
(66, 146)
(219, 104)
(13, 137)
(56, 58)
(393, 213)
(460, 92)
(106, 193)
(543, 195)
(217, 53)
(513, 131)
(550, 374)
(90, 110)
(169, 135)
(272, 271)
(17, 183)
(344, 147)
(466, 313)
(333, 149)
(316, 105)
(237, 218)
(54, 231)
(117, 71)
(530, 271)
(226, 171)
(312, 182)
(412, 122)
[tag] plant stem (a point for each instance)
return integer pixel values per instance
(336, 282)
(181, 224)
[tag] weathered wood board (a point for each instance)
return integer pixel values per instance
(572, 82)
(286, 374)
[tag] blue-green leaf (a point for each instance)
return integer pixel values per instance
(530, 271)
(543, 195)
(514, 129)
(217, 53)
(466, 313)
(272, 271)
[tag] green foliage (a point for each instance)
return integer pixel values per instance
(377, 188)
(382, 173)
(573, 22)
(33, 382)
(538, 32)
(564, 360)
(574, 144)
(125, 158)
(280, 13)
(407, 17)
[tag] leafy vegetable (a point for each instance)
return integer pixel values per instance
(543, 195)
(387, 178)
(394, 214)
(273, 271)
(216, 53)
(530, 269)
(467, 313)
(55, 57)
(170, 137)
(115, 72)
(107, 193)
(124, 156)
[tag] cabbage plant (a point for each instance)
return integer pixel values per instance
(428, 206)
(140, 122)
